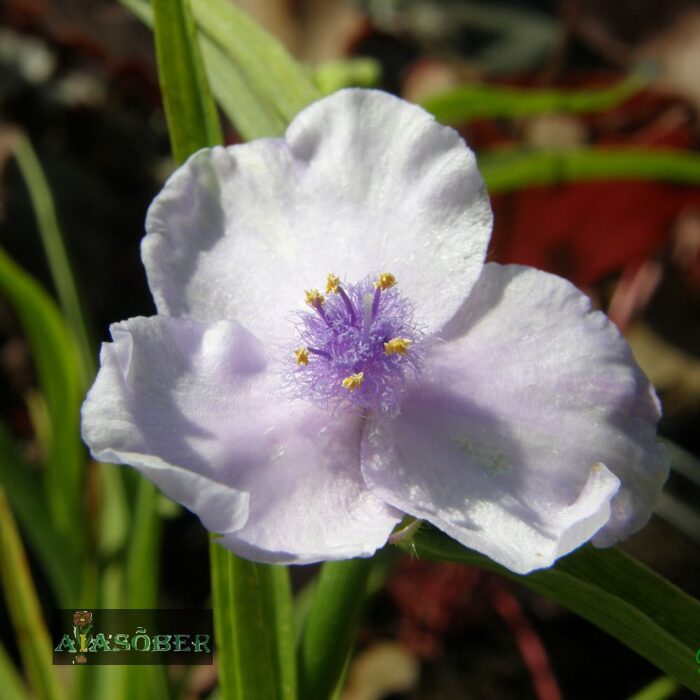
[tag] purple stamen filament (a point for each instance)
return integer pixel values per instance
(348, 305)
(320, 353)
(364, 344)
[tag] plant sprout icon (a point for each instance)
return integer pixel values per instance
(82, 624)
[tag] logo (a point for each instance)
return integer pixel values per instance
(118, 636)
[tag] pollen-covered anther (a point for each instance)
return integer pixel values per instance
(302, 355)
(397, 346)
(332, 284)
(385, 281)
(314, 298)
(354, 381)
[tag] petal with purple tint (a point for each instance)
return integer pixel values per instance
(198, 410)
(530, 430)
(363, 183)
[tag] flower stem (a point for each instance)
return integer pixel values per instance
(331, 626)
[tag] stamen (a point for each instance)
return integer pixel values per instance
(357, 345)
(320, 353)
(375, 301)
(302, 355)
(397, 345)
(332, 287)
(332, 283)
(353, 381)
(314, 298)
(385, 281)
(367, 314)
(348, 305)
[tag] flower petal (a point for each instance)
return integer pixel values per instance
(517, 436)
(198, 410)
(363, 183)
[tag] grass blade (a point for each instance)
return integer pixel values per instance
(608, 588)
(55, 554)
(54, 247)
(60, 380)
(23, 605)
(498, 102)
(192, 119)
(277, 82)
(330, 627)
(515, 169)
(251, 630)
(10, 681)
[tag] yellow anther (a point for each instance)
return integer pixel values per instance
(385, 281)
(397, 345)
(302, 355)
(353, 381)
(332, 284)
(314, 297)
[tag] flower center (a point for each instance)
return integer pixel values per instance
(358, 345)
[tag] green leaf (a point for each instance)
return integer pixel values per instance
(189, 108)
(143, 556)
(56, 555)
(24, 610)
(660, 689)
(331, 625)
(350, 72)
(610, 589)
(254, 629)
(259, 98)
(61, 382)
(276, 82)
(10, 681)
(54, 247)
(494, 102)
(515, 169)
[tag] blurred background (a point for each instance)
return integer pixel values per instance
(78, 82)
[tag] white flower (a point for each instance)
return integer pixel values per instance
(489, 400)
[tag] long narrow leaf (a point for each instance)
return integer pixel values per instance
(492, 101)
(235, 95)
(10, 681)
(247, 645)
(278, 83)
(23, 605)
(54, 247)
(55, 554)
(280, 620)
(611, 590)
(142, 565)
(190, 111)
(330, 627)
(60, 380)
(515, 169)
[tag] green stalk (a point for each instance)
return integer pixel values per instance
(253, 628)
(192, 119)
(331, 625)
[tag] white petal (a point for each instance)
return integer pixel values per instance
(515, 439)
(363, 183)
(198, 410)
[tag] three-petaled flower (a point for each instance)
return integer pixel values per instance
(302, 422)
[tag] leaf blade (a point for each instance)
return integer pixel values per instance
(608, 588)
(25, 612)
(190, 111)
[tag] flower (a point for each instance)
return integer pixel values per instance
(302, 423)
